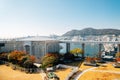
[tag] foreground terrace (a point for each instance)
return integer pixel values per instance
(7, 73)
(64, 71)
(103, 72)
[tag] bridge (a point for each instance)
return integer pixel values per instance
(96, 42)
(100, 43)
(82, 43)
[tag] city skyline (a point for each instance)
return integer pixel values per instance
(20, 18)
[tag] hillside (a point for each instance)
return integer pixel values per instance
(91, 31)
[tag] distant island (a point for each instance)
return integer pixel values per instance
(92, 31)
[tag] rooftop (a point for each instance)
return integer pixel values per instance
(35, 38)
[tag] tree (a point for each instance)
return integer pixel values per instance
(88, 59)
(117, 55)
(28, 64)
(69, 56)
(15, 56)
(49, 60)
(76, 51)
(91, 59)
(4, 56)
(22, 60)
(32, 58)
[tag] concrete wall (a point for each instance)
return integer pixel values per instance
(36, 48)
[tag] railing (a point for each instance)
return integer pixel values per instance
(69, 41)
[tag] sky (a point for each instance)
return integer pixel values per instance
(20, 18)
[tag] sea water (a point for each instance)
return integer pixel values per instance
(90, 49)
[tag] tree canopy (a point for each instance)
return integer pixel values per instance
(50, 59)
(76, 51)
(117, 55)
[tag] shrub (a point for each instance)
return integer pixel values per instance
(4, 56)
(15, 56)
(117, 55)
(69, 56)
(76, 51)
(118, 59)
(50, 59)
(21, 58)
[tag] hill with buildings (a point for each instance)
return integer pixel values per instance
(93, 32)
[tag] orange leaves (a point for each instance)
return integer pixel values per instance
(118, 59)
(89, 59)
(16, 54)
(4, 56)
(19, 55)
(32, 58)
(21, 58)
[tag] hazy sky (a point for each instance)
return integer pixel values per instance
(45, 17)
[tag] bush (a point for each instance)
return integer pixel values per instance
(69, 56)
(15, 56)
(50, 59)
(4, 56)
(118, 59)
(76, 51)
(20, 57)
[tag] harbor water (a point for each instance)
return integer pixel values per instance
(90, 49)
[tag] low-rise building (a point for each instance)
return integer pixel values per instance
(36, 45)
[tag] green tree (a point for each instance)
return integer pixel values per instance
(49, 60)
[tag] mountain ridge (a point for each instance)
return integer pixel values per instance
(92, 31)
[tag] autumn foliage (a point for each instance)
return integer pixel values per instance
(117, 55)
(50, 59)
(118, 59)
(32, 58)
(15, 56)
(92, 59)
(4, 56)
(21, 58)
(76, 51)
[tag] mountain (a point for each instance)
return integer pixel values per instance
(92, 31)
